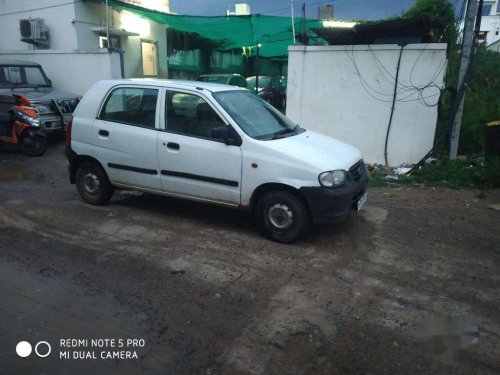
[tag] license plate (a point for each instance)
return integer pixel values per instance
(362, 201)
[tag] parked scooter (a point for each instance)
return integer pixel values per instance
(20, 126)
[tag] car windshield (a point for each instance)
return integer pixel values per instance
(213, 79)
(255, 117)
(263, 82)
(22, 76)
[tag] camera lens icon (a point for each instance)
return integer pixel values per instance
(42, 349)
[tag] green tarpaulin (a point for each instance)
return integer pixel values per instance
(231, 32)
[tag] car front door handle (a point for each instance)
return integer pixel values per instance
(173, 146)
(103, 133)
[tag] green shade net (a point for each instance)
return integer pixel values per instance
(232, 32)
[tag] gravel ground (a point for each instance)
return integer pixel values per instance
(410, 285)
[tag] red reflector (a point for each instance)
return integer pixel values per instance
(68, 130)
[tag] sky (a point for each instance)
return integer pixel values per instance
(344, 9)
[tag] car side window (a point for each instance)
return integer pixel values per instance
(132, 106)
(238, 81)
(242, 82)
(191, 115)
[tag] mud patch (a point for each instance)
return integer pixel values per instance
(13, 172)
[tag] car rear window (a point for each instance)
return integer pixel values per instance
(131, 106)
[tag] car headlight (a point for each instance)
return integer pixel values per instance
(332, 178)
(42, 108)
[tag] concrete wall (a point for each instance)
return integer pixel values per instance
(491, 24)
(57, 14)
(73, 71)
(90, 15)
(70, 28)
(346, 92)
(495, 47)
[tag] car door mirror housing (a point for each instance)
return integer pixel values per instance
(227, 135)
(220, 133)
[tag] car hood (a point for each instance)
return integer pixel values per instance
(318, 150)
(42, 93)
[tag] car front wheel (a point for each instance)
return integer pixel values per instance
(282, 216)
(92, 183)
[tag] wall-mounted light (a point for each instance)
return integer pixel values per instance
(134, 24)
(340, 24)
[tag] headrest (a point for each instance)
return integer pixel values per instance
(205, 112)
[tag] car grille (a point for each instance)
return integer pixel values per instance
(67, 106)
(357, 170)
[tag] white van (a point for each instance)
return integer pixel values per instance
(211, 143)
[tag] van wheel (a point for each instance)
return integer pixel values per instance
(282, 216)
(92, 183)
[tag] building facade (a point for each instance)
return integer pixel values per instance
(242, 9)
(325, 12)
(74, 51)
(490, 23)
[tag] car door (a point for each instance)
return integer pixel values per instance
(193, 163)
(125, 133)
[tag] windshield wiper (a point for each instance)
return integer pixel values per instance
(282, 132)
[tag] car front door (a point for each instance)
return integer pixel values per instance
(192, 162)
(125, 133)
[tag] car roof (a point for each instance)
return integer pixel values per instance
(220, 75)
(8, 61)
(213, 87)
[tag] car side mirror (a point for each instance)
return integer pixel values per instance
(227, 135)
(220, 133)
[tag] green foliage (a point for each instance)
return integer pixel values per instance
(449, 173)
(439, 13)
(482, 100)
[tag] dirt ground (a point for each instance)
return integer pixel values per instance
(411, 285)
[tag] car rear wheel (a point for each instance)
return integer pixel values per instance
(92, 183)
(282, 216)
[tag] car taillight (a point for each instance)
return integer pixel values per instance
(68, 130)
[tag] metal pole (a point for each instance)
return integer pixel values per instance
(107, 26)
(467, 50)
(293, 22)
(257, 69)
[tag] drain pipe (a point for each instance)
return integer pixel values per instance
(107, 25)
(110, 48)
(393, 102)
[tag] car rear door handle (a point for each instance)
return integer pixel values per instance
(173, 146)
(103, 133)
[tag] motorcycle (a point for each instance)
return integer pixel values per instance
(21, 126)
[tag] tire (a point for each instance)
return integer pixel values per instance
(34, 146)
(93, 184)
(282, 216)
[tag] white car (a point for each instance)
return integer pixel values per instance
(234, 150)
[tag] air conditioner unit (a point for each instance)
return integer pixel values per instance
(34, 31)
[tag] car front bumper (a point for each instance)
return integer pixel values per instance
(331, 205)
(51, 123)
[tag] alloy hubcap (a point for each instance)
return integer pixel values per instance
(91, 183)
(280, 216)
